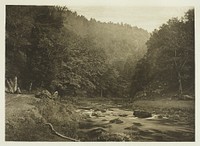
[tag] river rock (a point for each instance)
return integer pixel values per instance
(87, 113)
(104, 120)
(96, 132)
(159, 116)
(137, 124)
(100, 109)
(142, 114)
(116, 121)
(123, 115)
(97, 114)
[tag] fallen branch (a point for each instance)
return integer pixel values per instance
(58, 134)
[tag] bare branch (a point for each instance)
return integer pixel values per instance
(58, 134)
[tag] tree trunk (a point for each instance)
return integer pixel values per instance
(30, 87)
(180, 84)
(12, 86)
(101, 93)
(15, 84)
(9, 87)
(179, 74)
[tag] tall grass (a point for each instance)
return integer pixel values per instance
(29, 124)
(62, 116)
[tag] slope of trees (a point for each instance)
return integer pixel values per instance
(32, 36)
(123, 46)
(54, 48)
(169, 60)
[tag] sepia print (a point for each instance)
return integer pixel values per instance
(99, 73)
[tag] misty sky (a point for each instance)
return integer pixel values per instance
(148, 18)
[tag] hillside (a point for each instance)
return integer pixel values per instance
(119, 41)
(56, 49)
(169, 64)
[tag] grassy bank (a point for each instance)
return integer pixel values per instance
(26, 117)
(182, 111)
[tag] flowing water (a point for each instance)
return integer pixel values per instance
(114, 119)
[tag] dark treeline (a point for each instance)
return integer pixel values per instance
(169, 63)
(53, 48)
(56, 49)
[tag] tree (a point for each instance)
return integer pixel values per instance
(141, 76)
(170, 54)
(51, 47)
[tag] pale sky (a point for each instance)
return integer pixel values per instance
(148, 18)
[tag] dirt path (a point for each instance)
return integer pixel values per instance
(113, 119)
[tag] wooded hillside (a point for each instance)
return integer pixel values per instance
(169, 64)
(54, 48)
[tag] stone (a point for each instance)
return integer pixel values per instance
(43, 94)
(104, 120)
(123, 115)
(37, 94)
(103, 110)
(55, 95)
(142, 114)
(157, 116)
(96, 132)
(88, 113)
(116, 121)
(46, 94)
(97, 114)
(137, 124)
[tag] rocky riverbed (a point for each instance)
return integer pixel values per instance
(113, 123)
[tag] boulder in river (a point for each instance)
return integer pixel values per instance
(123, 115)
(98, 114)
(137, 124)
(142, 114)
(116, 121)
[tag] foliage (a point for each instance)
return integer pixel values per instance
(51, 47)
(170, 56)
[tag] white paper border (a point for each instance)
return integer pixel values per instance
(195, 3)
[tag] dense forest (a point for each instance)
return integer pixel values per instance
(51, 47)
(169, 63)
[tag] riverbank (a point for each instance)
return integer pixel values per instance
(98, 119)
